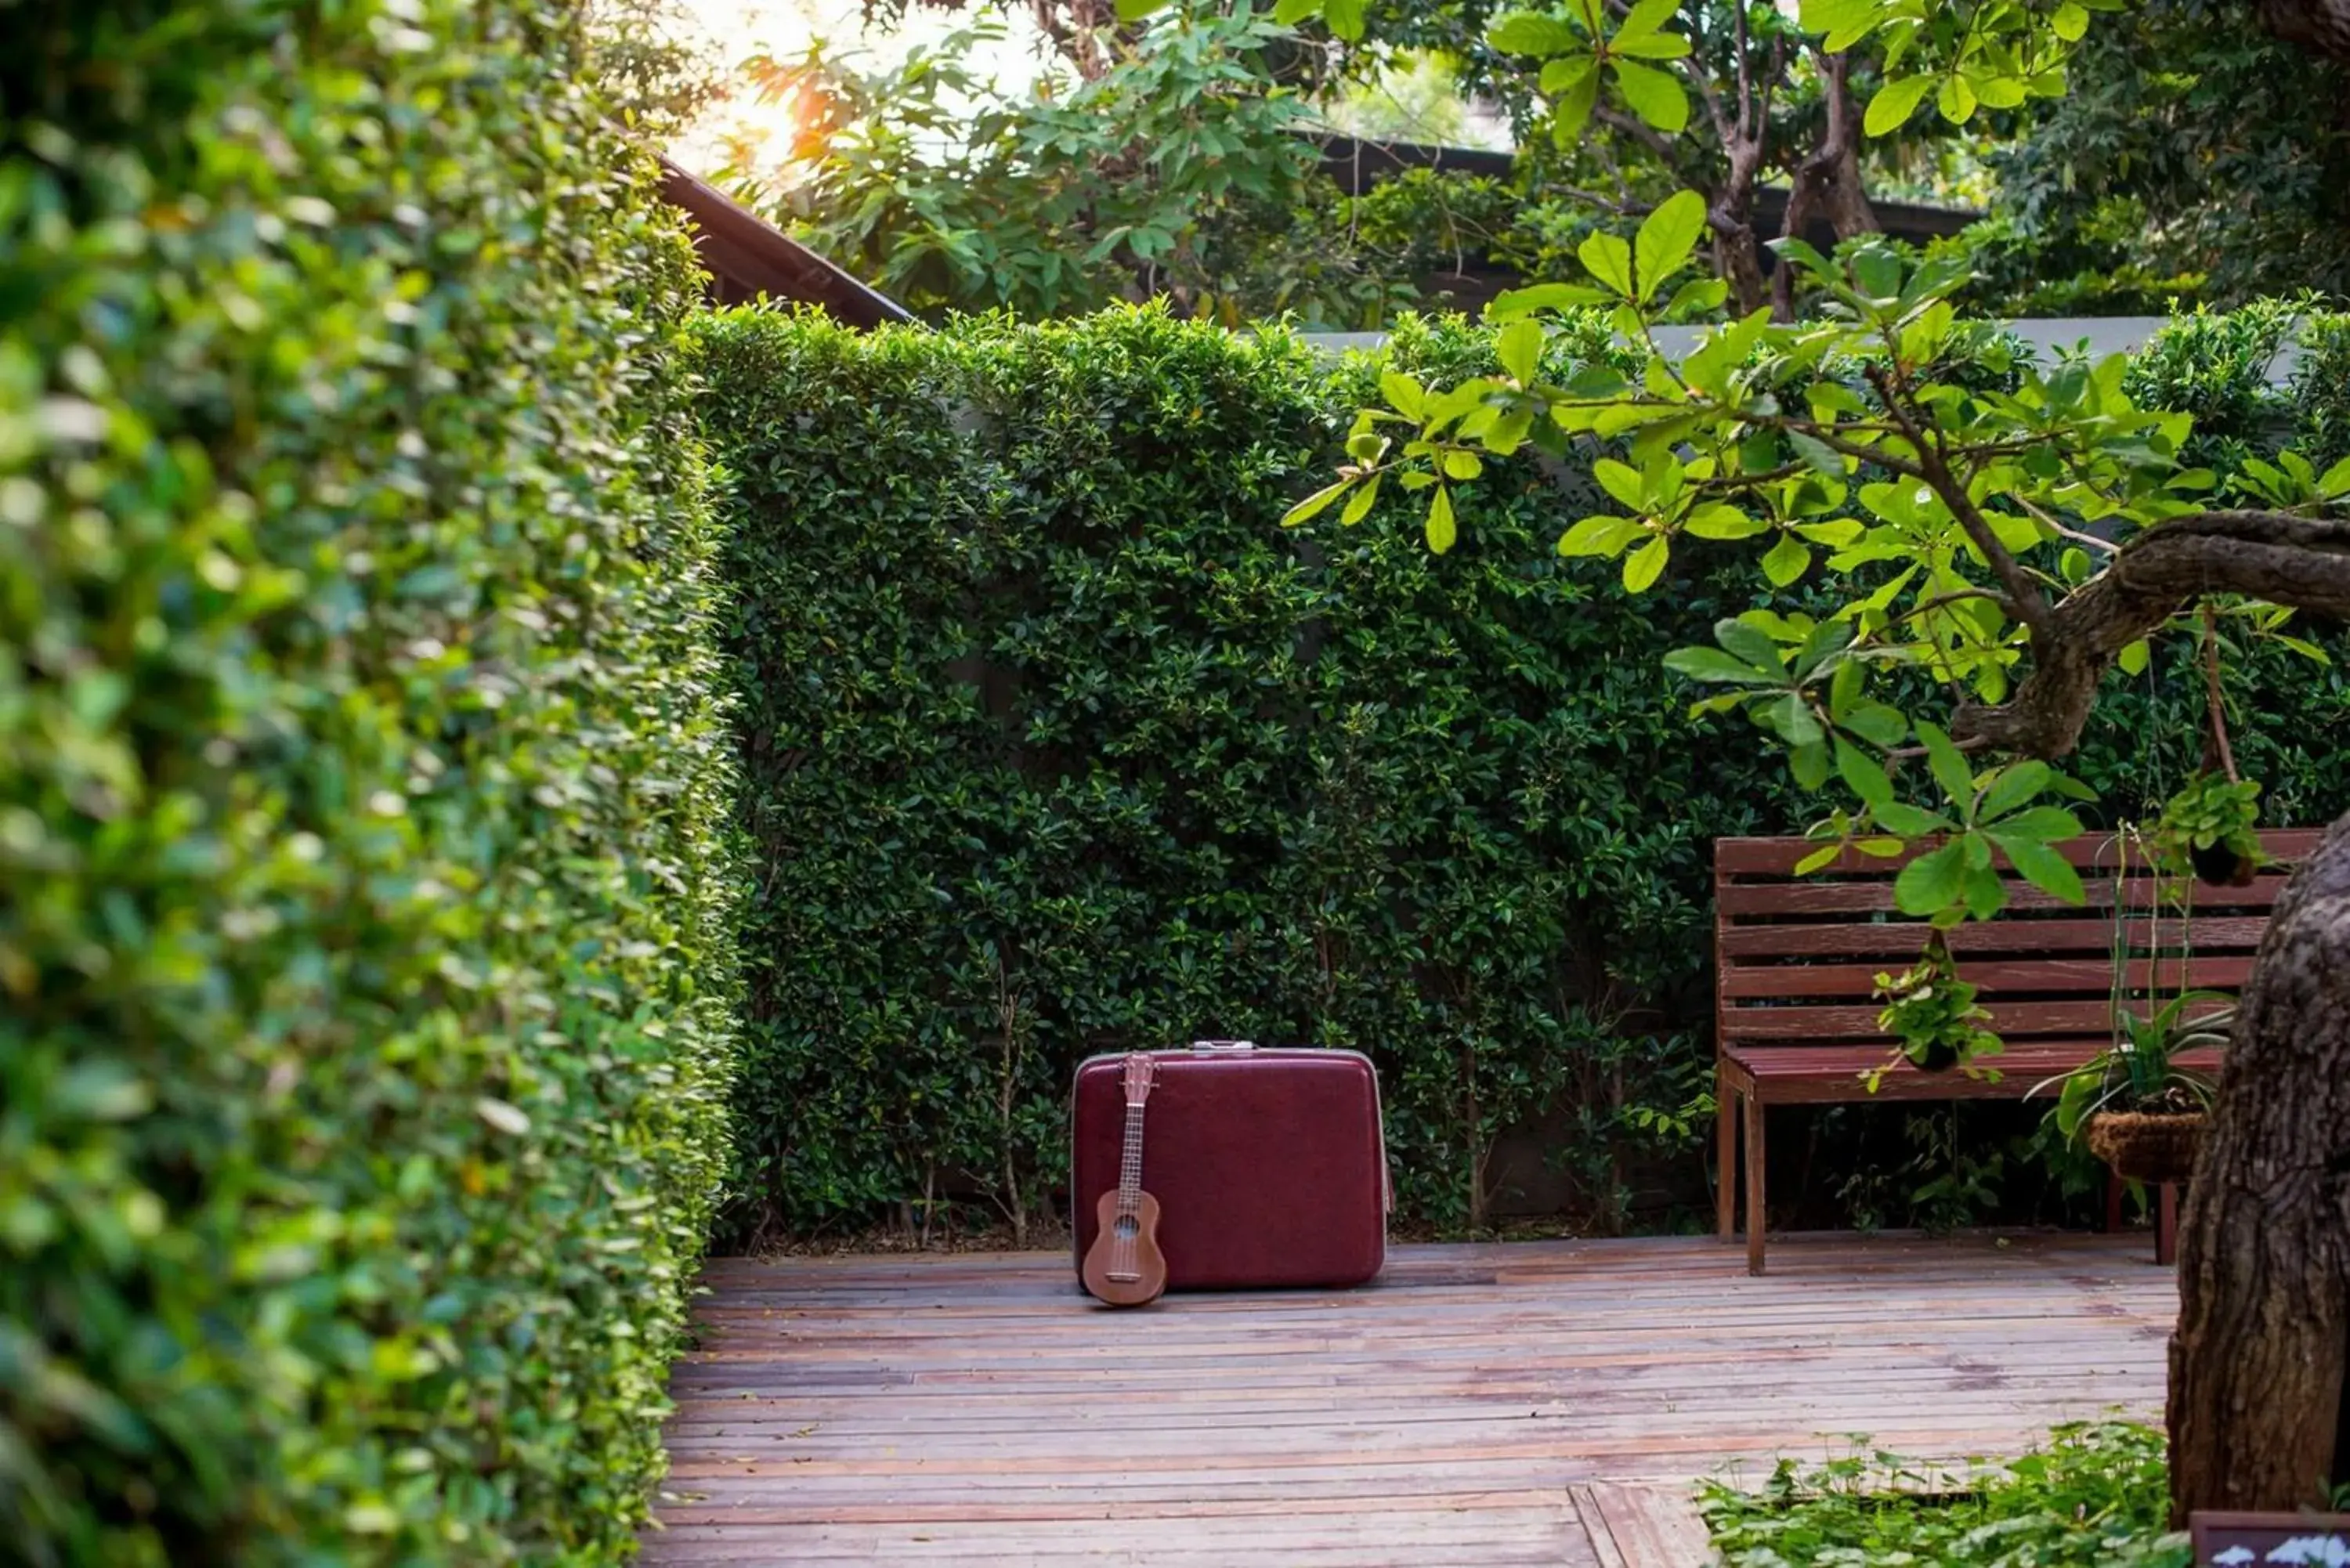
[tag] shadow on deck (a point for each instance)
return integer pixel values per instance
(1508, 1403)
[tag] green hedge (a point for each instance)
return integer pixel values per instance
(1057, 744)
(364, 791)
(1061, 746)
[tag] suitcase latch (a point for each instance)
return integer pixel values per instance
(1223, 1045)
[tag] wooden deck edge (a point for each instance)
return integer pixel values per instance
(1633, 1526)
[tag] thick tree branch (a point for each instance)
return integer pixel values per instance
(2024, 601)
(2301, 562)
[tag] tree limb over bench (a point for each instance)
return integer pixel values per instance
(1797, 960)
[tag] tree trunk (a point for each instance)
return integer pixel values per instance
(2321, 26)
(1737, 257)
(1828, 183)
(1739, 262)
(2257, 1360)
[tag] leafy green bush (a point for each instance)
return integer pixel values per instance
(2321, 389)
(2095, 1498)
(364, 785)
(1057, 744)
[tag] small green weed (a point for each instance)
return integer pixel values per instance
(2094, 1498)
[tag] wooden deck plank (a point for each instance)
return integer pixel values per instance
(1543, 1402)
(1641, 1526)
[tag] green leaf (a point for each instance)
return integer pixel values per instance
(1956, 100)
(1838, 15)
(1932, 882)
(1793, 719)
(1359, 505)
(1986, 894)
(2071, 22)
(1609, 259)
(1622, 481)
(1440, 530)
(2308, 651)
(1876, 722)
(1751, 644)
(1517, 302)
(1864, 774)
(1289, 13)
(1532, 33)
(1404, 393)
(1667, 238)
(2334, 483)
(2017, 782)
(1895, 102)
(2134, 656)
(1643, 20)
(1136, 10)
(1343, 18)
(1571, 111)
(1315, 504)
(2041, 867)
(1653, 95)
(1599, 536)
(1644, 565)
(1696, 297)
(1520, 346)
(1823, 856)
(1719, 520)
(1949, 766)
(2043, 824)
(1909, 821)
(1713, 666)
(1823, 457)
(1652, 46)
(1786, 561)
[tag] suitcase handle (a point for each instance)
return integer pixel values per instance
(1223, 1045)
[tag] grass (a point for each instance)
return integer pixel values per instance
(2094, 1497)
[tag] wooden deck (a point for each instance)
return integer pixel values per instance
(1487, 1404)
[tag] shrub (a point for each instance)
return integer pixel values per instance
(363, 786)
(2094, 1498)
(2321, 389)
(1057, 744)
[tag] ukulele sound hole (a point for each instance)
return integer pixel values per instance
(1126, 1229)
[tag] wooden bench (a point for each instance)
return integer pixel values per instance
(1797, 960)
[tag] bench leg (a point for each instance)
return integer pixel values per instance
(1725, 1158)
(1754, 1184)
(2165, 1225)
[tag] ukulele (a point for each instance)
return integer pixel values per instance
(1124, 1267)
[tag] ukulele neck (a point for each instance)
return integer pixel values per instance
(1129, 1165)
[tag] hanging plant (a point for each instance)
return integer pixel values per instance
(1934, 1014)
(2211, 826)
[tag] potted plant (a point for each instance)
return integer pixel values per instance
(1933, 1013)
(2211, 827)
(2132, 1103)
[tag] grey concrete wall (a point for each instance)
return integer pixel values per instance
(2048, 337)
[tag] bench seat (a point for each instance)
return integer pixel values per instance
(1797, 960)
(1814, 1075)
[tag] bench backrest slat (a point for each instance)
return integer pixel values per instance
(1796, 958)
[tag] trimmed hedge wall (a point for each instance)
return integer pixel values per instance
(364, 791)
(1057, 744)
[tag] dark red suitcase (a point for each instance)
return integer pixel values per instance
(1269, 1166)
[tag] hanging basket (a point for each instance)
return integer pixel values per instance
(1938, 1057)
(2146, 1146)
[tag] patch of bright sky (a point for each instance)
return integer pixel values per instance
(744, 30)
(1416, 100)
